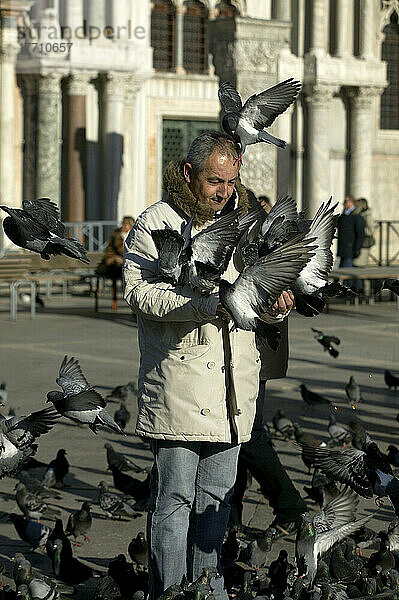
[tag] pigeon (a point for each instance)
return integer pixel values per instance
(338, 433)
(353, 393)
(391, 380)
(125, 576)
(307, 439)
(392, 285)
(312, 399)
(122, 415)
(258, 286)
(246, 124)
(36, 487)
(130, 486)
(67, 568)
(17, 437)
(278, 572)
(113, 505)
(58, 534)
(120, 461)
(79, 523)
(79, 401)
(38, 588)
(383, 556)
(36, 227)
(57, 470)
(255, 554)
(340, 568)
(322, 490)
(366, 471)
(327, 342)
(283, 424)
(137, 549)
(33, 506)
(31, 532)
(358, 433)
(22, 569)
(317, 534)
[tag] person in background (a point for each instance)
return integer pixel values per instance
(350, 230)
(111, 264)
(362, 209)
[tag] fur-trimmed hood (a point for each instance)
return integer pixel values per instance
(180, 195)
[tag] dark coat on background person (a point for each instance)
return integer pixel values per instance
(350, 231)
(108, 266)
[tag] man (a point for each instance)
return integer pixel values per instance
(350, 230)
(259, 457)
(197, 382)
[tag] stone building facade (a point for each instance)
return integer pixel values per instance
(92, 125)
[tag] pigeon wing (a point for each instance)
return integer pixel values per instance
(71, 378)
(339, 511)
(328, 538)
(347, 466)
(32, 229)
(260, 110)
(211, 245)
(260, 284)
(284, 207)
(229, 98)
(46, 212)
(86, 400)
(37, 423)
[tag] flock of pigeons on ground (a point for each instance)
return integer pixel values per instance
(280, 250)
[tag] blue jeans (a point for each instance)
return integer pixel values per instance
(191, 484)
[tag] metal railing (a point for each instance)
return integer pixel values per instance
(386, 250)
(94, 235)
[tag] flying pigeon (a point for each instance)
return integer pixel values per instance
(327, 342)
(3, 393)
(258, 286)
(79, 401)
(17, 437)
(246, 124)
(37, 227)
(317, 533)
(391, 380)
(392, 285)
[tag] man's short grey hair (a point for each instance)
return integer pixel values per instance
(205, 144)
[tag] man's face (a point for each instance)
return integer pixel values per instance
(126, 227)
(215, 184)
(348, 203)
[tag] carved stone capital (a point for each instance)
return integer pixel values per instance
(114, 85)
(132, 86)
(362, 97)
(78, 83)
(49, 83)
(9, 51)
(318, 95)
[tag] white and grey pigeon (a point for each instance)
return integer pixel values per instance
(30, 586)
(79, 400)
(338, 433)
(3, 393)
(259, 285)
(31, 505)
(32, 532)
(17, 437)
(114, 505)
(317, 533)
(36, 227)
(246, 124)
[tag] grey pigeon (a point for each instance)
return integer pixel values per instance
(122, 415)
(137, 549)
(258, 286)
(113, 505)
(38, 588)
(352, 390)
(283, 424)
(255, 554)
(17, 437)
(36, 227)
(37, 487)
(327, 341)
(31, 505)
(120, 461)
(79, 401)
(317, 534)
(338, 433)
(246, 124)
(79, 523)
(31, 532)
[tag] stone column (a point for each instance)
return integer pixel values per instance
(282, 10)
(73, 17)
(96, 14)
(76, 88)
(120, 16)
(317, 176)
(342, 27)
(48, 154)
(180, 12)
(362, 103)
(319, 27)
(367, 33)
(112, 141)
(30, 134)
(130, 153)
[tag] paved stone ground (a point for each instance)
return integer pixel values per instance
(106, 346)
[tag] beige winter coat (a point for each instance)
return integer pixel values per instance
(194, 374)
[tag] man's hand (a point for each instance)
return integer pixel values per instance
(118, 260)
(283, 305)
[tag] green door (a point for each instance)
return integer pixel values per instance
(178, 135)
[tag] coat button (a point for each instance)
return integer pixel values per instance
(205, 411)
(239, 412)
(210, 365)
(182, 357)
(231, 366)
